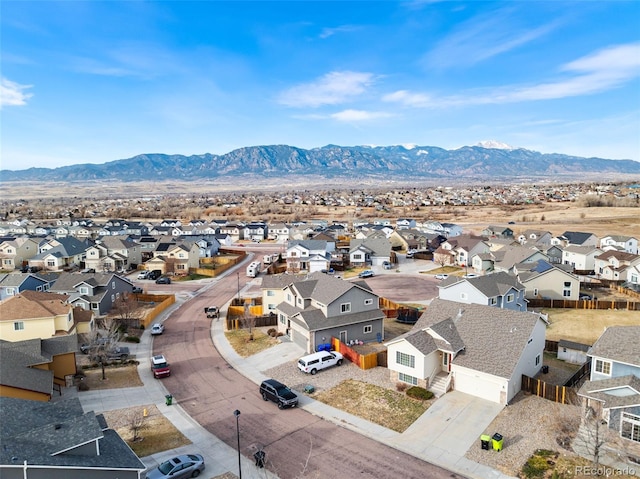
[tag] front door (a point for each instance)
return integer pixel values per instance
(343, 337)
(446, 362)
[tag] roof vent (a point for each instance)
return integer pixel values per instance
(58, 426)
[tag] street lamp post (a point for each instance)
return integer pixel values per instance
(238, 274)
(236, 413)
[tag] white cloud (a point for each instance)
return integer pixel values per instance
(594, 73)
(484, 37)
(358, 115)
(331, 89)
(407, 98)
(329, 32)
(13, 94)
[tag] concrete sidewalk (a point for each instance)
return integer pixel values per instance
(220, 458)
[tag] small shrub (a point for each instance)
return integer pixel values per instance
(82, 386)
(280, 333)
(417, 392)
(272, 332)
(400, 386)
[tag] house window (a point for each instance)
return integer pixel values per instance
(84, 290)
(345, 308)
(493, 301)
(405, 378)
(18, 326)
(357, 257)
(535, 291)
(113, 285)
(510, 298)
(368, 302)
(282, 319)
(537, 360)
(181, 266)
(463, 295)
(603, 367)
(630, 426)
(405, 359)
(271, 293)
(293, 254)
(367, 329)
(566, 293)
(271, 307)
(11, 291)
(51, 263)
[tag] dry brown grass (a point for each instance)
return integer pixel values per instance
(157, 432)
(116, 377)
(585, 326)
(388, 408)
(239, 341)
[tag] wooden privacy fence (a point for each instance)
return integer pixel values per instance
(583, 304)
(163, 300)
(577, 377)
(363, 361)
(218, 265)
(550, 346)
(552, 392)
(260, 321)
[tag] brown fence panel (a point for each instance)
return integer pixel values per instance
(574, 380)
(551, 346)
(166, 300)
(551, 392)
(583, 304)
(368, 361)
(382, 358)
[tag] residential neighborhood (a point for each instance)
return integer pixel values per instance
(480, 334)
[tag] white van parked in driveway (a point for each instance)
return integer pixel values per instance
(316, 361)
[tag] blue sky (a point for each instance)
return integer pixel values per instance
(91, 82)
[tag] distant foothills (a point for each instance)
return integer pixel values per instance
(487, 161)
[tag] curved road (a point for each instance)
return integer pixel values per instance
(297, 443)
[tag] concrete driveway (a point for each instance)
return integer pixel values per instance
(449, 427)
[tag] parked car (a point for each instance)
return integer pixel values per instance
(154, 274)
(143, 274)
(136, 290)
(367, 273)
(312, 363)
(212, 311)
(386, 264)
(185, 465)
(98, 342)
(442, 276)
(163, 280)
(160, 366)
(272, 390)
(120, 352)
(410, 254)
(157, 328)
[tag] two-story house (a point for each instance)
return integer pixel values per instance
(321, 307)
(278, 232)
(629, 244)
(16, 252)
(576, 238)
(536, 237)
(308, 255)
(60, 253)
(500, 290)
(175, 258)
(369, 251)
(616, 265)
(612, 393)
(96, 292)
(581, 258)
(543, 280)
(14, 283)
(472, 348)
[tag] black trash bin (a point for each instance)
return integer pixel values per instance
(485, 439)
(259, 457)
(545, 369)
(168, 399)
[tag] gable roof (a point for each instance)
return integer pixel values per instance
(576, 237)
(608, 391)
(618, 343)
(42, 433)
(493, 338)
(33, 304)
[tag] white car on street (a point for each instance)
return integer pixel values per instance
(157, 328)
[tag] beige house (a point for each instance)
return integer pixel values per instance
(175, 258)
(34, 314)
(543, 280)
(17, 252)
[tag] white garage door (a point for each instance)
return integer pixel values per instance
(477, 385)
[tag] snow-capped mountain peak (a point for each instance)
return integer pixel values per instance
(497, 145)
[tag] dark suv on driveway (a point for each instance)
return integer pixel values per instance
(272, 390)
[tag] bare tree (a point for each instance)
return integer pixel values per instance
(248, 320)
(126, 310)
(591, 435)
(136, 421)
(102, 341)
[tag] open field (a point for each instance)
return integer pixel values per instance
(585, 326)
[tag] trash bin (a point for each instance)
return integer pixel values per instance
(259, 457)
(485, 439)
(545, 369)
(497, 442)
(168, 399)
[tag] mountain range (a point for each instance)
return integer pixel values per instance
(489, 160)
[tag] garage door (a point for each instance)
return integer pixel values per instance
(300, 339)
(477, 385)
